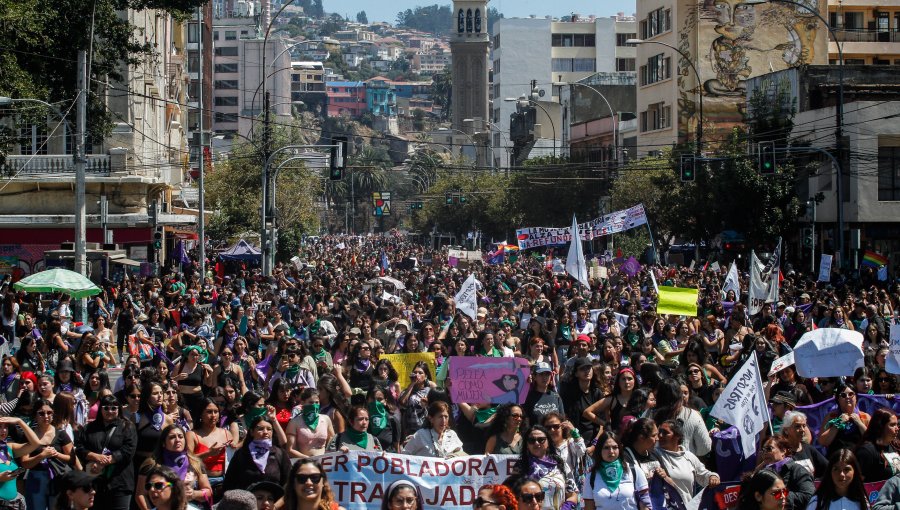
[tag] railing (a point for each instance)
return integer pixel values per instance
(863, 35)
(61, 164)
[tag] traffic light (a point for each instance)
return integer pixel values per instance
(807, 236)
(417, 205)
(688, 168)
(449, 198)
(462, 199)
(157, 238)
(767, 158)
(338, 158)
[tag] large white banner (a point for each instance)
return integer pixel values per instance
(467, 297)
(743, 404)
(619, 221)
(359, 479)
(733, 282)
(829, 352)
(764, 280)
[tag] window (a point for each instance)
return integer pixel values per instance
(574, 65)
(231, 51)
(215, 35)
(193, 61)
(226, 117)
(573, 40)
(625, 64)
(33, 139)
(621, 38)
(231, 35)
(657, 22)
(888, 174)
(658, 68)
(227, 68)
(853, 20)
(227, 101)
(193, 33)
(226, 84)
(657, 116)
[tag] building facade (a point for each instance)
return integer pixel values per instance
(867, 30)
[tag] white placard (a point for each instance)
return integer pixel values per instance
(825, 268)
(829, 352)
(781, 363)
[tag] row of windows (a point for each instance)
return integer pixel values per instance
(573, 65)
(657, 22)
(621, 38)
(657, 116)
(888, 173)
(227, 68)
(225, 84)
(226, 117)
(573, 40)
(658, 68)
(227, 51)
(226, 101)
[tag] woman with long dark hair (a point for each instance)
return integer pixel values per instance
(106, 448)
(307, 488)
(310, 432)
(611, 409)
(844, 427)
(774, 455)
(613, 481)
(384, 421)
(414, 399)
(165, 490)
(212, 441)
(764, 490)
(47, 461)
(842, 486)
(505, 433)
(670, 406)
(877, 457)
(172, 452)
(258, 459)
(540, 461)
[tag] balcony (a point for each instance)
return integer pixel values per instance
(53, 165)
(866, 36)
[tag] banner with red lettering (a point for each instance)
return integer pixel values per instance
(359, 479)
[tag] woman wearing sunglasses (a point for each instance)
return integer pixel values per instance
(106, 448)
(172, 452)
(529, 494)
(165, 490)
(765, 490)
(842, 486)
(614, 482)
(541, 462)
(493, 497)
(307, 488)
(404, 495)
(46, 461)
(844, 427)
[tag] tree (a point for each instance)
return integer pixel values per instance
(430, 18)
(652, 182)
(362, 18)
(442, 91)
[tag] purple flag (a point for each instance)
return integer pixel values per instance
(263, 366)
(631, 266)
(730, 461)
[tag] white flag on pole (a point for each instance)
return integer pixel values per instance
(764, 280)
(575, 264)
(732, 282)
(653, 277)
(743, 404)
(467, 297)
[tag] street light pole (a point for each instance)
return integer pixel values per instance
(699, 144)
(613, 116)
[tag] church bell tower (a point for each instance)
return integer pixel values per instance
(469, 45)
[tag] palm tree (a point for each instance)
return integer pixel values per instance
(368, 169)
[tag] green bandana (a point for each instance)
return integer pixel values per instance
(482, 415)
(378, 417)
(292, 371)
(611, 472)
(320, 355)
(310, 414)
(253, 414)
(360, 439)
(204, 356)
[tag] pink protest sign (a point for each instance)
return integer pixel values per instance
(477, 380)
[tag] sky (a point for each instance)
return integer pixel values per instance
(383, 10)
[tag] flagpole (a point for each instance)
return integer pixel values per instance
(764, 404)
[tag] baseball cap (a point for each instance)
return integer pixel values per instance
(542, 368)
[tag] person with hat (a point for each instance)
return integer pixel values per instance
(267, 493)
(580, 392)
(781, 402)
(238, 499)
(76, 490)
(542, 399)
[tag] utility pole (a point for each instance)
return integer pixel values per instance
(201, 230)
(266, 239)
(80, 206)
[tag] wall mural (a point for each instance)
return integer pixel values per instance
(738, 41)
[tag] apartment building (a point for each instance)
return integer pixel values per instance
(705, 52)
(552, 53)
(868, 31)
(430, 63)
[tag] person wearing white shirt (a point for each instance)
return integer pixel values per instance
(438, 439)
(842, 485)
(614, 483)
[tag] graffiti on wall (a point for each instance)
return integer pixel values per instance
(739, 40)
(29, 258)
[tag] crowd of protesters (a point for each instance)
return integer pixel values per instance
(230, 384)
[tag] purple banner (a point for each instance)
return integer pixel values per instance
(477, 380)
(816, 413)
(730, 461)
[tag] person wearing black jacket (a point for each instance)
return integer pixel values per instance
(257, 459)
(797, 479)
(106, 447)
(877, 457)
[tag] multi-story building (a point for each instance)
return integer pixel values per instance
(308, 86)
(868, 31)
(346, 98)
(381, 98)
(551, 53)
(431, 62)
(238, 74)
(697, 55)
(144, 157)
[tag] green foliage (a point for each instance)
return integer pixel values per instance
(362, 18)
(331, 25)
(434, 18)
(633, 243)
(651, 181)
(441, 91)
(486, 205)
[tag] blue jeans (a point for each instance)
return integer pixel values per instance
(37, 490)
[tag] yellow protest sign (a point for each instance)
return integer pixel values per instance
(404, 363)
(677, 301)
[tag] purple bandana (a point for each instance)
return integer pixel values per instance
(177, 461)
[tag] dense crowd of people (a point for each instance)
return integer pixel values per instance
(230, 385)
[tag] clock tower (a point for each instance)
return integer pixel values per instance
(469, 44)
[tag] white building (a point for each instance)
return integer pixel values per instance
(551, 53)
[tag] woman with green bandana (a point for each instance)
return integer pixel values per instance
(189, 375)
(356, 435)
(384, 423)
(614, 483)
(309, 432)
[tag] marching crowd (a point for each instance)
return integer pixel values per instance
(230, 386)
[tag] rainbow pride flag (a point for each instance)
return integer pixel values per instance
(872, 259)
